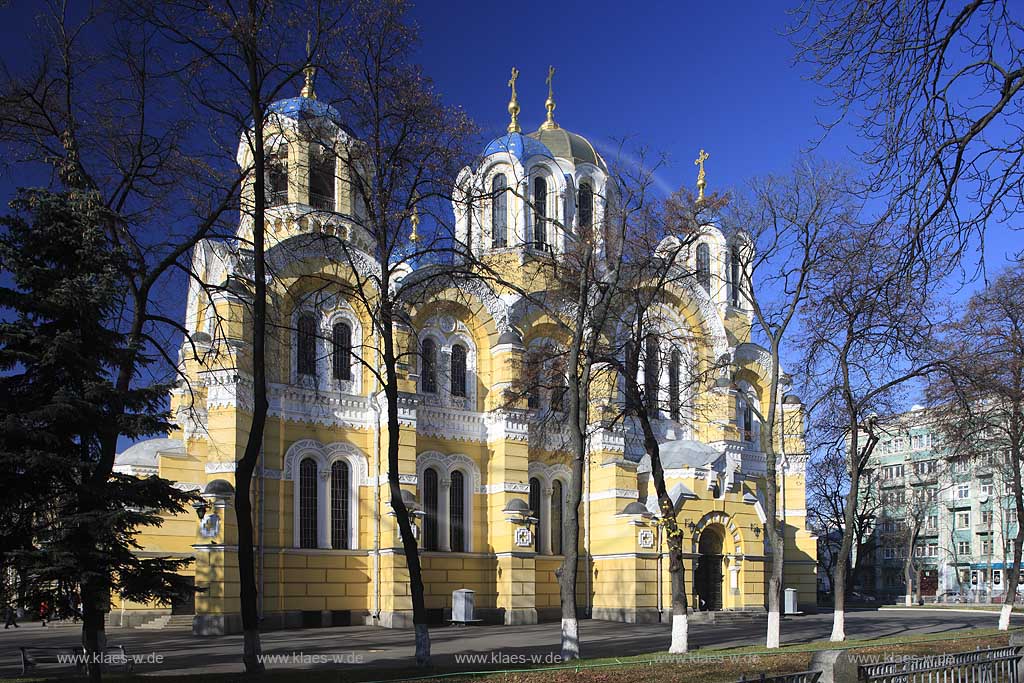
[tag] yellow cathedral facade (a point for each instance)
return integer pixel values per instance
(488, 479)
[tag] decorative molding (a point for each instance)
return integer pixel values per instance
(325, 456)
(187, 486)
(634, 494)
(645, 539)
(506, 487)
(446, 464)
(220, 467)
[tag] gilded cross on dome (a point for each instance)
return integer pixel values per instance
(550, 124)
(701, 183)
(513, 104)
(310, 70)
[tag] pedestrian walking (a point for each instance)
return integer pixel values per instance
(44, 611)
(11, 618)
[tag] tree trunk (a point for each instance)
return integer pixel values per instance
(410, 546)
(252, 650)
(568, 572)
(845, 548)
(94, 637)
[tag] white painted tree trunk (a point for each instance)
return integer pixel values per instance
(909, 600)
(772, 641)
(1004, 616)
(422, 645)
(680, 635)
(838, 626)
(570, 639)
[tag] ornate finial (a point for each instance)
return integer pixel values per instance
(307, 89)
(701, 183)
(513, 104)
(415, 220)
(550, 124)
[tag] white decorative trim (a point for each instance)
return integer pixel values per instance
(505, 487)
(633, 494)
(220, 467)
(186, 486)
(325, 457)
(445, 466)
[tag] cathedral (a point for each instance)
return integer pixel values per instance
(488, 487)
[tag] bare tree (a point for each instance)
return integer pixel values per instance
(868, 334)
(980, 397)
(934, 89)
(787, 222)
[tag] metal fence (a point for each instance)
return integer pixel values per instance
(981, 666)
(799, 677)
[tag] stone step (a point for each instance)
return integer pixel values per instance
(156, 623)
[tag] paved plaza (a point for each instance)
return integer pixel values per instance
(490, 647)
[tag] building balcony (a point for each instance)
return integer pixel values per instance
(322, 202)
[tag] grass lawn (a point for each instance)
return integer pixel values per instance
(707, 665)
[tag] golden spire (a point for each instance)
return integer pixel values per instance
(307, 89)
(701, 183)
(550, 124)
(415, 220)
(513, 104)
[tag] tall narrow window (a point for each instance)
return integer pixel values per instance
(458, 370)
(499, 211)
(307, 504)
(632, 377)
(342, 351)
(321, 178)
(428, 365)
(457, 511)
(540, 213)
(535, 510)
(340, 505)
(558, 391)
(652, 370)
(586, 205)
(704, 266)
(675, 360)
(430, 509)
(556, 517)
(306, 345)
(277, 176)
(533, 379)
(735, 275)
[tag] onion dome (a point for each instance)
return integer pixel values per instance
(567, 145)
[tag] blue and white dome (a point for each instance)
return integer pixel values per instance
(519, 146)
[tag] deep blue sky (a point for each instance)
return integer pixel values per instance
(675, 77)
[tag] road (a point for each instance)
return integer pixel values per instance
(179, 652)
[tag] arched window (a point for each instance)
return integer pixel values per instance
(556, 517)
(652, 369)
(735, 275)
(540, 211)
(340, 505)
(321, 178)
(305, 358)
(428, 366)
(586, 205)
(457, 511)
(341, 340)
(277, 176)
(430, 509)
(535, 510)
(307, 504)
(745, 417)
(704, 266)
(458, 370)
(674, 363)
(499, 211)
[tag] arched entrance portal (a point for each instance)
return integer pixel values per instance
(707, 580)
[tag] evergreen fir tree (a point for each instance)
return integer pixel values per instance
(65, 525)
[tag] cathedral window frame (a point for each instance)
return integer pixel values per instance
(445, 465)
(326, 312)
(446, 332)
(500, 208)
(324, 458)
(546, 476)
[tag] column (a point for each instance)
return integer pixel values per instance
(545, 526)
(323, 509)
(444, 518)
